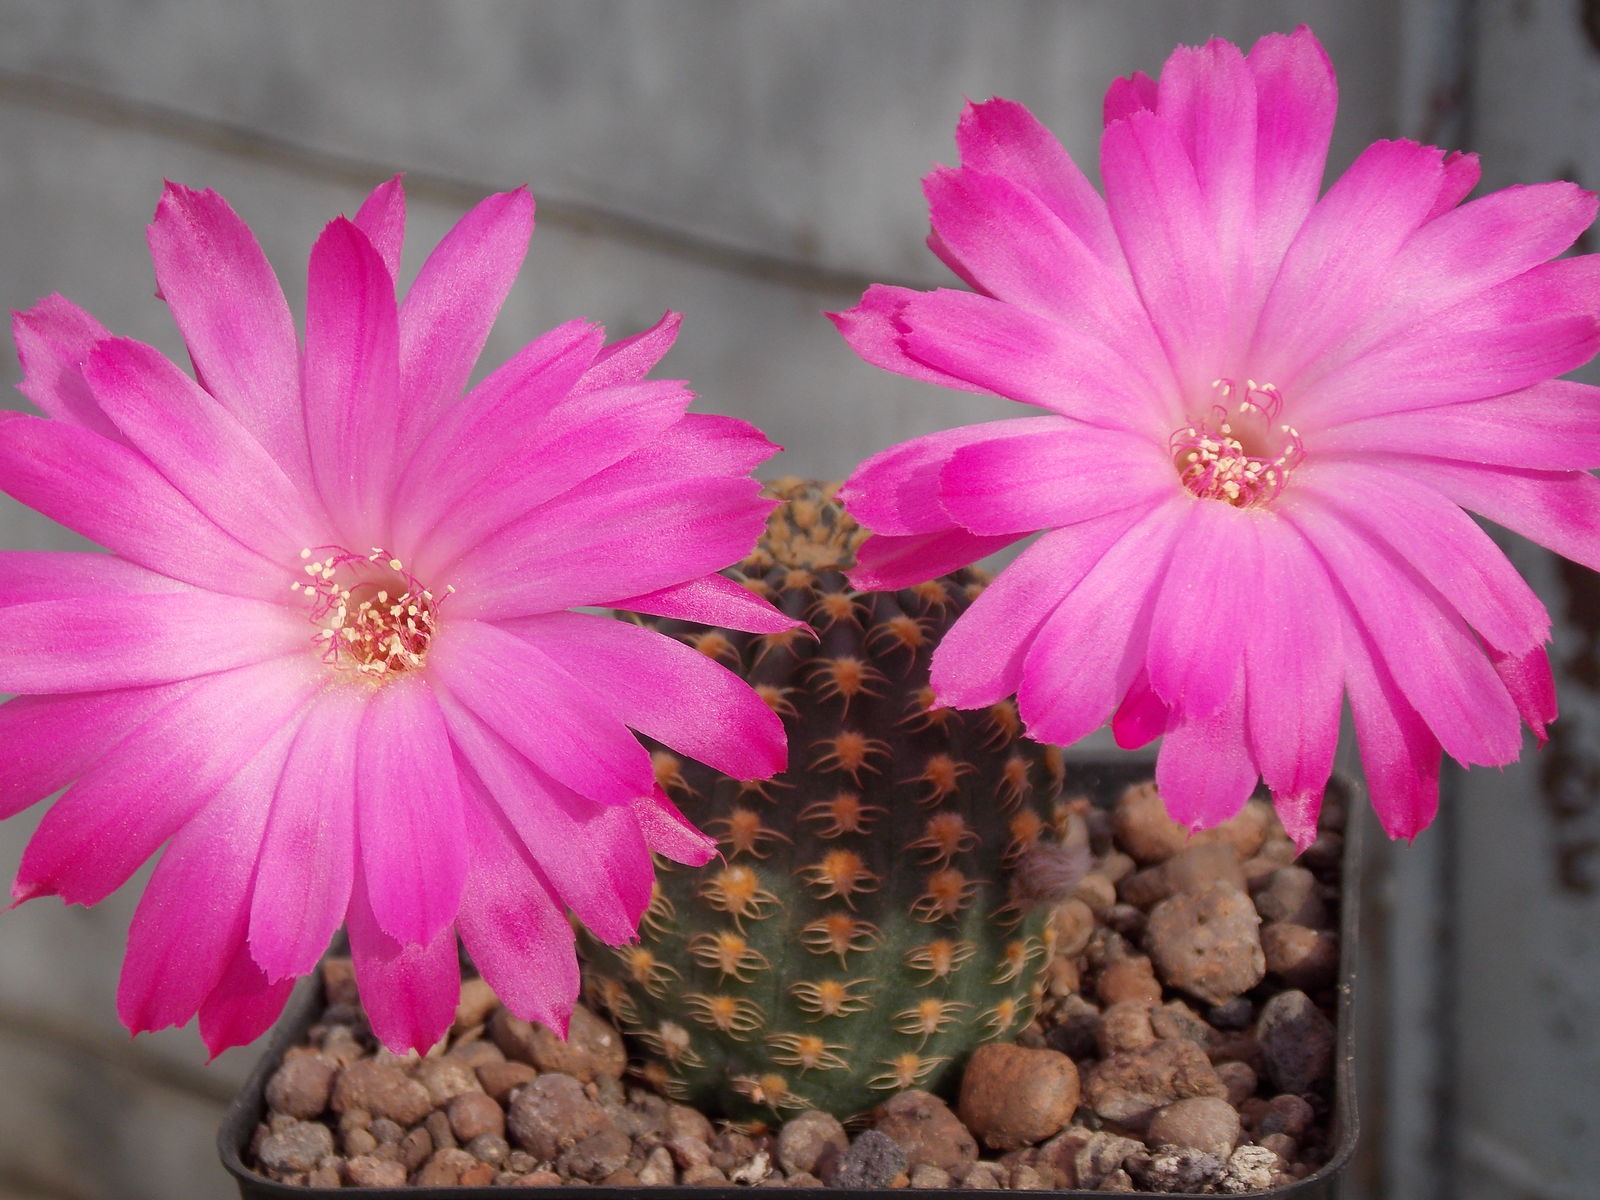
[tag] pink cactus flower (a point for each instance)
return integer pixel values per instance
(332, 659)
(1265, 414)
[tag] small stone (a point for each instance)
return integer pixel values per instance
(339, 982)
(658, 1169)
(811, 1141)
(1246, 831)
(1025, 1179)
(1303, 958)
(500, 1079)
(1131, 978)
(1128, 1088)
(520, 1162)
(438, 1126)
(489, 1148)
(1115, 865)
(923, 1126)
(1233, 1016)
(1286, 1113)
(366, 1171)
(538, 1179)
(984, 1177)
(1206, 1123)
(1240, 1080)
(327, 1174)
(753, 1173)
(705, 1175)
(473, 1114)
(1292, 894)
(1145, 889)
(1118, 1181)
(386, 1131)
(1281, 1144)
(1061, 976)
(417, 1147)
(382, 1089)
(1126, 1026)
(1208, 943)
(1175, 1019)
(1128, 921)
(1249, 1169)
(478, 1175)
(592, 1049)
(476, 1003)
(731, 1149)
(445, 1079)
(872, 1161)
(1326, 852)
(620, 1178)
(1143, 828)
(552, 1113)
(1013, 1097)
(1074, 923)
(476, 1053)
(804, 1179)
(1197, 866)
(689, 1152)
(302, 1086)
(1095, 890)
(296, 1148)
(1077, 1029)
(1296, 1042)
(1178, 1169)
(596, 1156)
(925, 1175)
(444, 1169)
(357, 1141)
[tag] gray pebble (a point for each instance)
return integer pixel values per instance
(1296, 1042)
(297, 1147)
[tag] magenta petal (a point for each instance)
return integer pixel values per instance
(1141, 717)
(408, 813)
(1433, 656)
(1527, 677)
(598, 543)
(979, 660)
(874, 330)
(518, 937)
(593, 855)
(53, 339)
(886, 564)
(1399, 753)
(1440, 542)
(1296, 97)
(630, 359)
(1088, 651)
(382, 217)
(712, 600)
(51, 740)
(198, 445)
(1461, 174)
(452, 305)
(1204, 770)
(307, 861)
(699, 444)
(1292, 648)
(1551, 426)
(669, 833)
(558, 720)
(242, 1006)
(1061, 475)
(234, 319)
(1128, 95)
(667, 690)
(351, 381)
(31, 575)
(1001, 137)
(897, 491)
(193, 914)
(1207, 596)
(89, 643)
(409, 992)
(112, 495)
(141, 792)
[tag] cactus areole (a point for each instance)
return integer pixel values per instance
(861, 932)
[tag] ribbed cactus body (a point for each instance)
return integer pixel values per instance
(859, 934)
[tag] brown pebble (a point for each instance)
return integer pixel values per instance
(550, 1114)
(925, 1176)
(1246, 831)
(444, 1169)
(473, 1114)
(1143, 828)
(382, 1089)
(1074, 924)
(1197, 866)
(984, 1176)
(1292, 894)
(538, 1179)
(620, 1178)
(476, 1003)
(811, 1141)
(299, 1146)
(416, 1148)
(1239, 1078)
(367, 1171)
(489, 1148)
(1296, 1042)
(1146, 888)
(659, 1169)
(302, 1086)
(1061, 976)
(1207, 1123)
(1175, 1019)
(477, 1175)
(704, 1175)
(445, 1078)
(1128, 1088)
(1286, 1113)
(1095, 890)
(923, 1126)
(592, 1049)
(476, 1053)
(1207, 943)
(386, 1131)
(1131, 978)
(339, 981)
(438, 1126)
(500, 1079)
(596, 1156)
(357, 1141)
(1304, 958)
(1125, 1026)
(1013, 1097)
(684, 1121)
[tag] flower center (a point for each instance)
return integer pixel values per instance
(372, 615)
(1239, 452)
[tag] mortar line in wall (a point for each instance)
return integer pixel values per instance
(109, 110)
(115, 1052)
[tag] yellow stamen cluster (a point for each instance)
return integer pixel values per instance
(373, 616)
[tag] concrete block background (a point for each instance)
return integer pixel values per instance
(750, 164)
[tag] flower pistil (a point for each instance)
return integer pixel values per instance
(1239, 452)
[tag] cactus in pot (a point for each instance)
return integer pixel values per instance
(870, 919)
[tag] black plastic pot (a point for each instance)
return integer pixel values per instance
(1102, 779)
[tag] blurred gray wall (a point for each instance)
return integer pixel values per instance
(753, 164)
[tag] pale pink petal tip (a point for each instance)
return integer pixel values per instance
(1298, 814)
